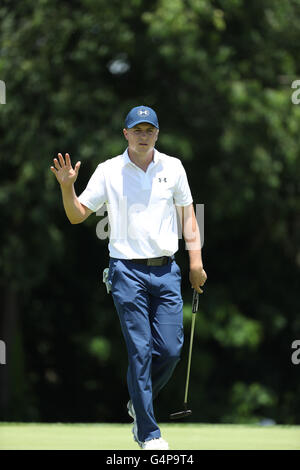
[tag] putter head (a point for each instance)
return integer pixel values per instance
(181, 414)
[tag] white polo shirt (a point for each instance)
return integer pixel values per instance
(140, 205)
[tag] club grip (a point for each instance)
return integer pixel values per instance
(195, 303)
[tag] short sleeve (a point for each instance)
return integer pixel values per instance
(182, 193)
(94, 195)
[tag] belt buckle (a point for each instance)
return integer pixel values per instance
(152, 262)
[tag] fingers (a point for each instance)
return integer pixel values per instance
(61, 160)
(56, 164)
(198, 289)
(77, 166)
(197, 282)
(68, 161)
(64, 164)
(61, 163)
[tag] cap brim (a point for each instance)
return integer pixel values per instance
(140, 121)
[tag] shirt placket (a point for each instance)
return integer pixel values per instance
(144, 177)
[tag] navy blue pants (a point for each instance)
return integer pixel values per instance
(149, 305)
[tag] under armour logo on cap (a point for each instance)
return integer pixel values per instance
(141, 114)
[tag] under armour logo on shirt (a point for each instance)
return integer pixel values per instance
(162, 179)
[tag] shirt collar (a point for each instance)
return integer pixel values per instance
(126, 159)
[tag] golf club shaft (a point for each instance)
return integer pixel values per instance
(190, 358)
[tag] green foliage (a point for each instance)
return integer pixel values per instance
(219, 75)
(247, 401)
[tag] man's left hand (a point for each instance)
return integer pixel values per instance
(197, 278)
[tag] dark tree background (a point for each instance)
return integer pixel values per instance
(219, 75)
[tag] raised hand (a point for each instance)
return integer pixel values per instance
(65, 174)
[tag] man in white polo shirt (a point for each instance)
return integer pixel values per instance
(144, 192)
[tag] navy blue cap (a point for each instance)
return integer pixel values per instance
(141, 114)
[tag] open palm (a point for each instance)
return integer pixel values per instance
(65, 174)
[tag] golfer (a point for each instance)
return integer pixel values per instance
(146, 195)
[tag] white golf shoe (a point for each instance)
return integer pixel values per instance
(152, 444)
(155, 444)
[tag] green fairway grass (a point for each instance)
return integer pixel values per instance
(183, 436)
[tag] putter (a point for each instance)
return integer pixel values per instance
(186, 412)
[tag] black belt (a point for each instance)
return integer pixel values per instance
(161, 261)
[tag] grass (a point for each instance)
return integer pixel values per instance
(187, 436)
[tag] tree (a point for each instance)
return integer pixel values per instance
(219, 74)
